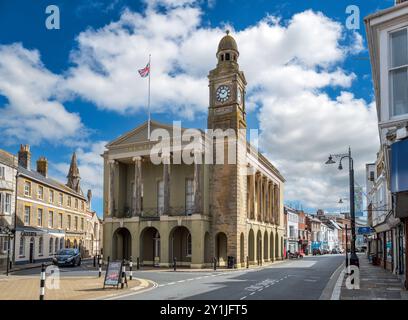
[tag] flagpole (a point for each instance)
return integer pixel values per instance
(148, 102)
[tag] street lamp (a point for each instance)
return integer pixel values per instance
(353, 255)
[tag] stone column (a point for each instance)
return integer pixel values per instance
(274, 204)
(166, 184)
(197, 183)
(265, 183)
(271, 220)
(277, 196)
(137, 192)
(253, 196)
(112, 169)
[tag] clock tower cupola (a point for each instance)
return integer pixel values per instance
(227, 88)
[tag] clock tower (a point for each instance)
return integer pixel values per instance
(228, 181)
(227, 88)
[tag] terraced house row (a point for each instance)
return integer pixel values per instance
(48, 215)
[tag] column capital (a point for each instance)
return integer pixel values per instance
(137, 158)
(112, 161)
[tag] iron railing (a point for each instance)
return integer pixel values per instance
(155, 213)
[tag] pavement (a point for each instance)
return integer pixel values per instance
(68, 288)
(375, 284)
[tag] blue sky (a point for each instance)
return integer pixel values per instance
(86, 108)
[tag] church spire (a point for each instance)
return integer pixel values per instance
(73, 175)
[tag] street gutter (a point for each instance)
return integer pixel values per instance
(333, 287)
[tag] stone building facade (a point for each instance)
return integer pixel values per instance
(93, 230)
(195, 212)
(50, 215)
(8, 173)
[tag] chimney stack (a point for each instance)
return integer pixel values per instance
(42, 166)
(24, 156)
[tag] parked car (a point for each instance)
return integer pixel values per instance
(325, 251)
(67, 257)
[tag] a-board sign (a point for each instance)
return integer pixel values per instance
(113, 273)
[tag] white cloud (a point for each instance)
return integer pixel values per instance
(32, 114)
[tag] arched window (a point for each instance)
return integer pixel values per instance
(51, 247)
(61, 243)
(40, 245)
(21, 249)
(227, 56)
(222, 57)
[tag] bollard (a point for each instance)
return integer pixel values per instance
(247, 262)
(42, 282)
(130, 269)
(174, 264)
(122, 280)
(94, 261)
(215, 263)
(100, 266)
(138, 263)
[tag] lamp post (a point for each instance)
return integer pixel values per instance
(353, 255)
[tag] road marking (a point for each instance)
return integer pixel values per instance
(243, 298)
(170, 283)
(181, 280)
(252, 293)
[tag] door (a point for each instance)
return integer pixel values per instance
(32, 246)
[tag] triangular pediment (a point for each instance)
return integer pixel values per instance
(140, 134)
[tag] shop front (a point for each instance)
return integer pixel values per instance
(34, 245)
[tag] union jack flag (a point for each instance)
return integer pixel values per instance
(145, 71)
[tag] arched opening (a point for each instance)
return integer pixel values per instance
(221, 249)
(75, 244)
(242, 250)
(68, 244)
(251, 246)
(276, 246)
(180, 246)
(272, 247)
(259, 247)
(121, 244)
(207, 248)
(266, 251)
(150, 246)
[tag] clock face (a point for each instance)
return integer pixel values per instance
(223, 93)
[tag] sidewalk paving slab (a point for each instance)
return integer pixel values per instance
(70, 288)
(375, 284)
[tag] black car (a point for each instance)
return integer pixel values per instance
(67, 257)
